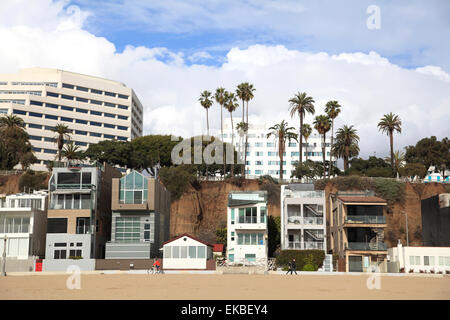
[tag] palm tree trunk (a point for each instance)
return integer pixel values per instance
(245, 147)
(207, 121)
(301, 138)
(332, 134)
(223, 151)
(306, 142)
(232, 143)
(391, 137)
(323, 156)
(347, 152)
(280, 151)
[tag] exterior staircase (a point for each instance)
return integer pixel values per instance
(379, 238)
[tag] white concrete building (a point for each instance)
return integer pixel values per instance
(303, 222)
(187, 253)
(262, 152)
(93, 108)
(434, 175)
(247, 241)
(416, 259)
(23, 220)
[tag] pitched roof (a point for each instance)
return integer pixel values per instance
(370, 199)
(218, 247)
(189, 236)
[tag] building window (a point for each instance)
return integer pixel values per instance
(81, 121)
(15, 111)
(122, 96)
(107, 125)
(121, 106)
(81, 110)
(66, 119)
(82, 89)
(69, 86)
(133, 189)
(263, 212)
(59, 254)
(97, 124)
(109, 104)
(82, 100)
(147, 232)
(66, 108)
(51, 105)
(109, 115)
(95, 134)
(96, 91)
(128, 229)
(250, 239)
(96, 102)
(52, 94)
(201, 252)
(111, 94)
(108, 136)
(74, 253)
(49, 116)
(83, 133)
(428, 261)
(122, 117)
(64, 96)
(96, 113)
(414, 260)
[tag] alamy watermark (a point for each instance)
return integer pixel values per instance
(374, 20)
(374, 280)
(74, 280)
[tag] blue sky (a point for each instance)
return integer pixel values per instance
(412, 34)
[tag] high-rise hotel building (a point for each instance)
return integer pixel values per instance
(93, 108)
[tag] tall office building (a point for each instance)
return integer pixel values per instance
(262, 152)
(93, 108)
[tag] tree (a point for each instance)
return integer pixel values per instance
(220, 97)
(306, 133)
(72, 152)
(322, 124)
(301, 103)
(274, 233)
(346, 145)
(372, 167)
(206, 103)
(388, 124)
(281, 131)
(332, 109)
(430, 151)
(399, 158)
(245, 93)
(231, 105)
(14, 143)
(308, 169)
(413, 169)
(62, 131)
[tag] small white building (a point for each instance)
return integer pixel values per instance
(247, 227)
(434, 175)
(418, 259)
(23, 220)
(187, 253)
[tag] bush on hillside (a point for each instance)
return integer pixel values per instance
(309, 267)
(32, 180)
(389, 189)
(178, 179)
(302, 258)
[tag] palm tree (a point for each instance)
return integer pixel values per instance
(306, 133)
(62, 132)
(332, 109)
(231, 105)
(15, 141)
(220, 99)
(206, 103)
(72, 152)
(388, 124)
(322, 124)
(245, 92)
(301, 103)
(11, 121)
(346, 145)
(282, 132)
(399, 157)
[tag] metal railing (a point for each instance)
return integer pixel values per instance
(248, 220)
(366, 246)
(74, 186)
(305, 220)
(313, 244)
(365, 219)
(295, 245)
(258, 262)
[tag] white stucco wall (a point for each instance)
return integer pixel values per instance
(439, 258)
(186, 263)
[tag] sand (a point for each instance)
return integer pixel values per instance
(221, 287)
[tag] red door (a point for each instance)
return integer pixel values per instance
(38, 267)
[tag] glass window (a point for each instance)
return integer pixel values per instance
(49, 116)
(192, 252)
(263, 214)
(64, 96)
(52, 94)
(253, 239)
(96, 91)
(36, 103)
(176, 252)
(122, 107)
(66, 85)
(76, 201)
(167, 252)
(96, 113)
(66, 119)
(96, 102)
(122, 117)
(97, 124)
(201, 252)
(81, 121)
(122, 96)
(82, 99)
(109, 104)
(82, 89)
(183, 252)
(111, 94)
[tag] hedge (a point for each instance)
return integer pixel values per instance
(302, 258)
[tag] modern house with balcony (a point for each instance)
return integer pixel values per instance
(357, 223)
(140, 217)
(79, 216)
(247, 227)
(302, 217)
(23, 220)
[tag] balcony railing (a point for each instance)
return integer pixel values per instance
(82, 229)
(365, 219)
(75, 186)
(248, 220)
(313, 244)
(294, 245)
(305, 220)
(366, 246)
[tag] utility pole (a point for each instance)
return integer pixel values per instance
(407, 237)
(4, 257)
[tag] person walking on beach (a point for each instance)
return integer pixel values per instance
(293, 266)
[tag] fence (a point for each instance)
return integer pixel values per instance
(10, 172)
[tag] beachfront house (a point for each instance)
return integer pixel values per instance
(186, 252)
(247, 227)
(357, 223)
(140, 217)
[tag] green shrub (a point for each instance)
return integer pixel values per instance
(31, 180)
(302, 258)
(178, 179)
(389, 189)
(309, 267)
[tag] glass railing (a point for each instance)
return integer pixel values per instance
(366, 219)
(304, 194)
(248, 220)
(74, 186)
(294, 245)
(82, 229)
(313, 244)
(365, 246)
(305, 220)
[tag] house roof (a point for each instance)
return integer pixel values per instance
(189, 236)
(218, 247)
(370, 199)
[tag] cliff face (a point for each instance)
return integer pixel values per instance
(200, 212)
(396, 215)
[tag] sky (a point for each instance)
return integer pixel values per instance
(374, 57)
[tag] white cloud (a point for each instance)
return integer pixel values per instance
(367, 85)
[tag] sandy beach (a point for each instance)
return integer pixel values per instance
(222, 287)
